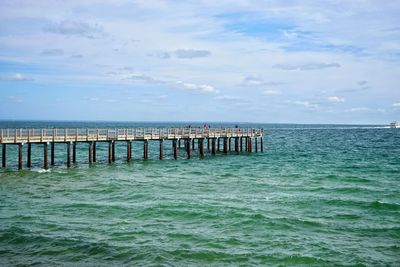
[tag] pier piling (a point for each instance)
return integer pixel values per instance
(90, 152)
(225, 145)
(262, 144)
(128, 151)
(94, 151)
(74, 152)
(161, 149)
(68, 154)
(188, 148)
(28, 155)
(45, 156)
(213, 146)
(3, 155)
(20, 156)
(70, 137)
(52, 144)
(175, 148)
(250, 145)
(201, 147)
(145, 149)
(113, 151)
(237, 144)
(110, 148)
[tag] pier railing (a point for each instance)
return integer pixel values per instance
(25, 135)
(70, 137)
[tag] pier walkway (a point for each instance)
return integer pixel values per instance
(189, 136)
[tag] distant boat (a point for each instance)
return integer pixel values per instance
(395, 124)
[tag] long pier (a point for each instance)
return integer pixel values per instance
(70, 137)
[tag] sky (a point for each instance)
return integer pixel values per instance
(233, 61)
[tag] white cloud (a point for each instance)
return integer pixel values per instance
(77, 56)
(256, 80)
(359, 109)
(202, 88)
(191, 53)
(17, 77)
(181, 53)
(396, 105)
(226, 98)
(362, 83)
(52, 52)
(69, 27)
(162, 54)
(15, 99)
(366, 109)
(143, 78)
(306, 66)
(271, 92)
(306, 104)
(335, 99)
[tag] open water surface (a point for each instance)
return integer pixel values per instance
(320, 195)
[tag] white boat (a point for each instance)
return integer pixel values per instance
(395, 124)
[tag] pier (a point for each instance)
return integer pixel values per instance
(243, 141)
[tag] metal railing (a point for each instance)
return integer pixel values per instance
(27, 135)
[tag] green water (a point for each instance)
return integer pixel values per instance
(319, 196)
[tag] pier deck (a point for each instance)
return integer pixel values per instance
(91, 136)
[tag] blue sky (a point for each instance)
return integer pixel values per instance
(239, 61)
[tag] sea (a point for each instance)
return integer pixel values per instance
(319, 195)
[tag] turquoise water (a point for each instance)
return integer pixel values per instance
(319, 195)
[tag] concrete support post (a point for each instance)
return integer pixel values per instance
(256, 144)
(128, 150)
(236, 144)
(94, 151)
(146, 149)
(45, 157)
(262, 144)
(175, 148)
(73, 152)
(188, 148)
(52, 146)
(225, 145)
(113, 151)
(3, 155)
(213, 146)
(201, 147)
(250, 145)
(20, 156)
(161, 149)
(90, 150)
(28, 156)
(110, 148)
(68, 155)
